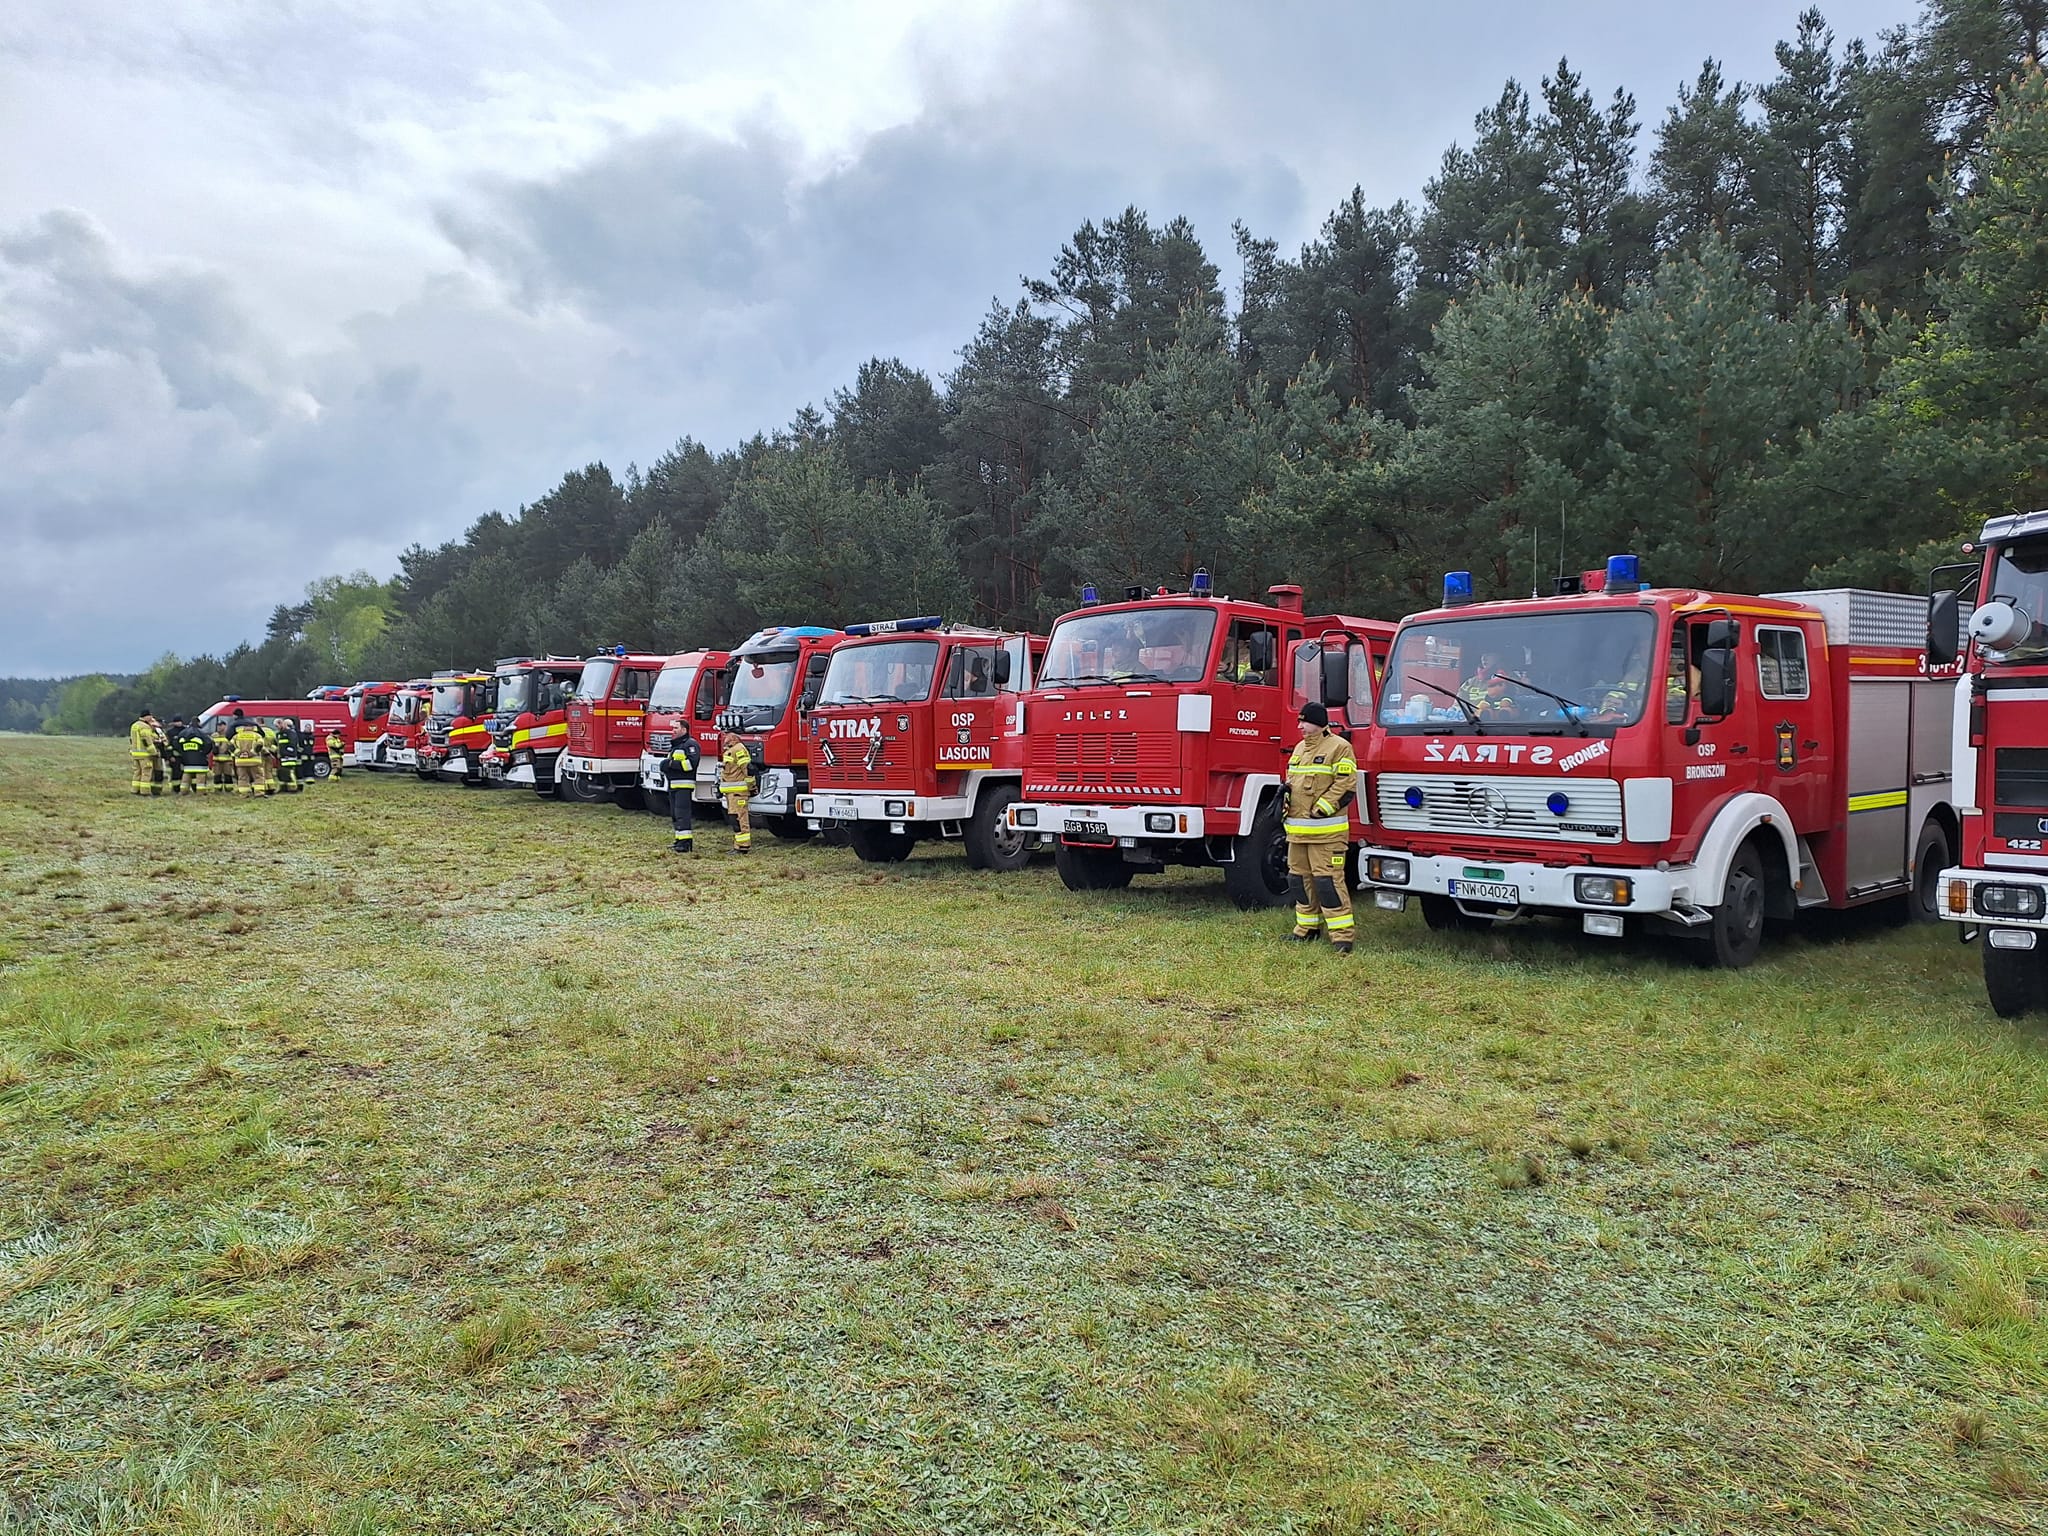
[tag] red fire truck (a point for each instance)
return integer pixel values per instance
(529, 726)
(313, 716)
(687, 696)
(776, 673)
(1158, 731)
(454, 726)
(1998, 886)
(397, 745)
(607, 717)
(368, 706)
(914, 734)
(1700, 762)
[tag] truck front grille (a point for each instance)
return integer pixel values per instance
(2020, 776)
(1499, 805)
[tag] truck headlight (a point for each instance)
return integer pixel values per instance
(1158, 821)
(1385, 871)
(805, 806)
(1026, 815)
(892, 807)
(2009, 900)
(1603, 890)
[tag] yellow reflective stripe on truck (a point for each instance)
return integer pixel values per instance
(1883, 800)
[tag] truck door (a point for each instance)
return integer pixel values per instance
(1792, 723)
(970, 717)
(1250, 703)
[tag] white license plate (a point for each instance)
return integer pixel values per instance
(1088, 829)
(1487, 890)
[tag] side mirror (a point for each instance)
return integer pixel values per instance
(1944, 628)
(1717, 681)
(808, 701)
(1259, 651)
(1002, 669)
(1723, 635)
(1336, 677)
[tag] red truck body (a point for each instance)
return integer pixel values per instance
(1694, 761)
(775, 675)
(397, 744)
(315, 717)
(450, 743)
(1997, 885)
(687, 696)
(529, 723)
(1158, 731)
(914, 735)
(369, 705)
(607, 723)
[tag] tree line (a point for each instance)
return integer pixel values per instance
(1794, 333)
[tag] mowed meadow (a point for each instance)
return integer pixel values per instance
(402, 1158)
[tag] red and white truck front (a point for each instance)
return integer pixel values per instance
(776, 673)
(607, 717)
(530, 725)
(1698, 762)
(687, 697)
(914, 734)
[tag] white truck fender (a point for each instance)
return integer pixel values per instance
(1731, 826)
(1255, 786)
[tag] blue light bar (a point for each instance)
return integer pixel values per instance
(618, 650)
(1457, 588)
(1623, 572)
(1200, 586)
(1089, 596)
(896, 626)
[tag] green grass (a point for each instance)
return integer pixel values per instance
(402, 1158)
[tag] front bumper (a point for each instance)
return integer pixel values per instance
(455, 765)
(598, 767)
(1124, 824)
(1961, 887)
(651, 779)
(774, 792)
(1538, 887)
(823, 806)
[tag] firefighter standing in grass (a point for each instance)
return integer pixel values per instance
(679, 772)
(248, 750)
(735, 788)
(223, 757)
(1322, 779)
(145, 754)
(193, 750)
(291, 758)
(334, 752)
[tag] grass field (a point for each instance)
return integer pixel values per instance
(403, 1158)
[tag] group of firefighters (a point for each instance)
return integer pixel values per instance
(737, 774)
(238, 756)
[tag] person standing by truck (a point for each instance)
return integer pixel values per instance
(679, 772)
(145, 754)
(736, 787)
(248, 749)
(1322, 780)
(192, 750)
(334, 746)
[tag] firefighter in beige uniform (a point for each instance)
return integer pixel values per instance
(1322, 778)
(735, 786)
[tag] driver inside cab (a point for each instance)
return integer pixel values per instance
(1486, 690)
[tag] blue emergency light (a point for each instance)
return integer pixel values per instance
(1412, 797)
(896, 626)
(1623, 572)
(618, 650)
(1457, 588)
(1200, 585)
(1089, 596)
(1559, 802)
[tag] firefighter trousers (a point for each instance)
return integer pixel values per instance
(148, 775)
(198, 781)
(248, 775)
(735, 797)
(681, 810)
(1322, 903)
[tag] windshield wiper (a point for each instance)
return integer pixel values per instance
(1577, 709)
(1463, 703)
(1103, 677)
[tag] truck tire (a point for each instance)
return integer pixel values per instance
(630, 797)
(2016, 981)
(791, 829)
(1444, 916)
(991, 842)
(1735, 931)
(1257, 876)
(426, 774)
(322, 768)
(873, 843)
(1931, 855)
(577, 788)
(1091, 869)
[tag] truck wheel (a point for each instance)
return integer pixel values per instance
(1931, 855)
(791, 829)
(630, 797)
(322, 768)
(579, 789)
(426, 774)
(1735, 932)
(1444, 916)
(2016, 980)
(1091, 869)
(1257, 877)
(873, 843)
(991, 842)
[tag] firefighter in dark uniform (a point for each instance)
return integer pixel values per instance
(1322, 780)
(193, 749)
(291, 758)
(679, 772)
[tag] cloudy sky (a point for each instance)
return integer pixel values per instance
(287, 285)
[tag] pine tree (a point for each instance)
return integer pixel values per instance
(1795, 169)
(1699, 169)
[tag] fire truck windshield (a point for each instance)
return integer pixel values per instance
(405, 709)
(515, 692)
(898, 672)
(2019, 576)
(671, 695)
(762, 683)
(452, 699)
(1537, 673)
(596, 680)
(1159, 645)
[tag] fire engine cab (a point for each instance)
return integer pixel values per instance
(913, 734)
(776, 673)
(686, 697)
(397, 744)
(529, 726)
(1998, 885)
(1159, 728)
(607, 722)
(369, 704)
(1701, 760)
(454, 725)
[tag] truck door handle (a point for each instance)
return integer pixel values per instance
(1809, 746)
(1739, 751)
